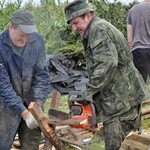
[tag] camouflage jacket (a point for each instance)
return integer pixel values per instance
(114, 83)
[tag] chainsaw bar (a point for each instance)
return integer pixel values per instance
(58, 117)
(58, 114)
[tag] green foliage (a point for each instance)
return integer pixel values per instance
(52, 25)
(49, 20)
(146, 119)
(6, 11)
(146, 124)
(115, 13)
(63, 104)
(97, 143)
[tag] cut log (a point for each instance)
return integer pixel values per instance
(55, 102)
(47, 130)
(145, 111)
(146, 102)
(136, 142)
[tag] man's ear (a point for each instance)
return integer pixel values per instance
(10, 25)
(89, 15)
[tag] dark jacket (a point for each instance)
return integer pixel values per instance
(23, 78)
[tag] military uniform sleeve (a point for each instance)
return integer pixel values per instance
(41, 80)
(7, 94)
(105, 60)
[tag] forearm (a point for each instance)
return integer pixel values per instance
(24, 113)
(130, 35)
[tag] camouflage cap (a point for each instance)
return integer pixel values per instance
(25, 20)
(77, 8)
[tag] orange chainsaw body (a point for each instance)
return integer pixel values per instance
(88, 115)
(81, 109)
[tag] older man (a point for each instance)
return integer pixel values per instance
(115, 86)
(24, 77)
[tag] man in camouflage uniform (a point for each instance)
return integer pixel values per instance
(115, 86)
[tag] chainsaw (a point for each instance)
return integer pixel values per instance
(79, 109)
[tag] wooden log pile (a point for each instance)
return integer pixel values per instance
(78, 139)
(136, 141)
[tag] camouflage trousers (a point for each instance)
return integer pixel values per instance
(116, 130)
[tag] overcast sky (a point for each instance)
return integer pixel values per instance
(38, 1)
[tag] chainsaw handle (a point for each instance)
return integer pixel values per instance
(75, 96)
(84, 102)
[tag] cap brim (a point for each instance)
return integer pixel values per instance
(28, 28)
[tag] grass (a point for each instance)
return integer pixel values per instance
(97, 143)
(146, 120)
(146, 124)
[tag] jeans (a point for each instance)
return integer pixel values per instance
(141, 60)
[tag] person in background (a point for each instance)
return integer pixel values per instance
(115, 86)
(138, 34)
(24, 78)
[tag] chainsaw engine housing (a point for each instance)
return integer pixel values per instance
(81, 109)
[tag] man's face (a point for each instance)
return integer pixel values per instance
(18, 37)
(79, 24)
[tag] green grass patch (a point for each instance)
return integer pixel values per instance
(146, 124)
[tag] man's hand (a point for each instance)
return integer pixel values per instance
(30, 120)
